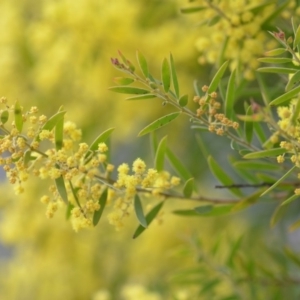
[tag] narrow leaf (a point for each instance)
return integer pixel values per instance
(142, 97)
(294, 225)
(18, 116)
(248, 127)
(296, 38)
(159, 123)
(138, 208)
(229, 99)
(59, 133)
(247, 201)
(142, 63)
(98, 213)
(4, 116)
(265, 153)
(177, 165)
(275, 60)
(215, 81)
(188, 188)
(290, 199)
(256, 165)
(166, 75)
(294, 80)
(296, 112)
(174, 76)
(285, 97)
(128, 90)
(275, 52)
(277, 70)
(291, 255)
(277, 215)
(183, 101)
(160, 154)
(123, 80)
(51, 123)
(278, 181)
(149, 218)
(100, 139)
(61, 188)
(259, 132)
(188, 10)
(221, 175)
(212, 211)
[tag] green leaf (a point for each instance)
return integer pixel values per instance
(265, 153)
(296, 38)
(51, 123)
(59, 133)
(233, 251)
(275, 60)
(142, 97)
(229, 99)
(188, 188)
(188, 10)
(18, 116)
(166, 75)
(61, 188)
(142, 63)
(293, 81)
(70, 206)
(275, 52)
(285, 97)
(160, 154)
(296, 112)
(291, 255)
(278, 181)
(149, 218)
(100, 139)
(277, 215)
(183, 101)
(277, 70)
(177, 165)
(128, 90)
(248, 127)
(4, 116)
(290, 199)
(256, 165)
(27, 157)
(215, 81)
(212, 211)
(159, 123)
(247, 201)
(259, 132)
(138, 208)
(174, 76)
(294, 225)
(102, 202)
(123, 80)
(221, 175)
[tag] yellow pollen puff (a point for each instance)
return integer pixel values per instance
(110, 167)
(42, 119)
(18, 189)
(280, 159)
(297, 191)
(214, 95)
(175, 180)
(45, 135)
(204, 88)
(123, 169)
(33, 119)
(138, 166)
(54, 173)
(102, 147)
(3, 100)
(21, 142)
(45, 199)
(33, 110)
(102, 158)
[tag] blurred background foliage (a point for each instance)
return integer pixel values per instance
(55, 53)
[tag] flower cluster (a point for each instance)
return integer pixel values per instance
(140, 179)
(238, 30)
(51, 149)
(209, 106)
